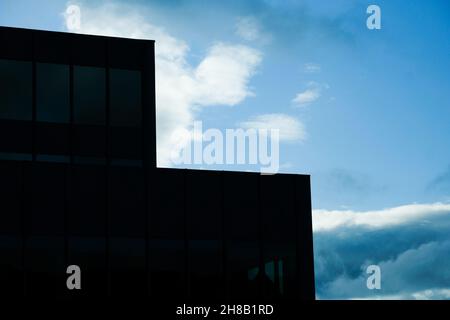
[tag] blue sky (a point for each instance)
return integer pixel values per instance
(374, 134)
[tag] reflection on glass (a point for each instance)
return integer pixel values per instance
(16, 90)
(52, 85)
(167, 268)
(15, 156)
(274, 271)
(89, 253)
(125, 97)
(52, 158)
(89, 95)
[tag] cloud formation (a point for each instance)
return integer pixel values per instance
(410, 243)
(221, 78)
(290, 128)
(332, 219)
(418, 273)
(312, 67)
(312, 92)
(223, 75)
(248, 28)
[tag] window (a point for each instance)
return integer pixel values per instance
(167, 253)
(242, 233)
(128, 274)
(204, 205)
(16, 90)
(125, 98)
(205, 269)
(167, 268)
(45, 188)
(52, 158)
(53, 108)
(89, 95)
(88, 201)
(280, 232)
(127, 229)
(10, 229)
(15, 156)
(45, 205)
(89, 135)
(16, 87)
(168, 210)
(127, 202)
(125, 115)
(53, 88)
(44, 262)
(89, 253)
(87, 222)
(10, 197)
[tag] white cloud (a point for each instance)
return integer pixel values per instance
(312, 67)
(427, 294)
(311, 94)
(290, 128)
(327, 220)
(221, 78)
(248, 28)
(432, 294)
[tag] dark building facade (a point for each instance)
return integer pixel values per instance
(79, 186)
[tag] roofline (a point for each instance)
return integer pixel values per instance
(74, 33)
(236, 172)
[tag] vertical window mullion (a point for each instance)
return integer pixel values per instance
(107, 171)
(34, 111)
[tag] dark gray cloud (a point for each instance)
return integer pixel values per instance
(414, 258)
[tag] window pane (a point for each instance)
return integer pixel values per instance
(15, 156)
(44, 262)
(11, 275)
(167, 269)
(127, 228)
(127, 202)
(45, 188)
(45, 205)
(204, 205)
(125, 98)
(204, 201)
(16, 90)
(87, 222)
(168, 255)
(15, 106)
(89, 95)
(89, 134)
(125, 114)
(205, 276)
(241, 234)
(88, 206)
(127, 266)
(125, 143)
(280, 232)
(168, 214)
(89, 253)
(52, 92)
(52, 138)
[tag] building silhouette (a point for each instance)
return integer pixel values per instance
(79, 185)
